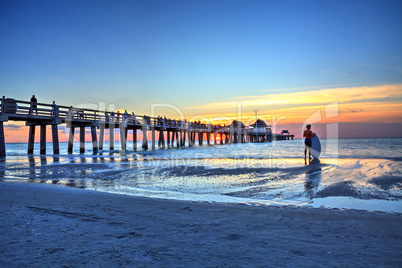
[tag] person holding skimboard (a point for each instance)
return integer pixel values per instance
(308, 134)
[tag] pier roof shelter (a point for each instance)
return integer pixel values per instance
(260, 125)
(237, 125)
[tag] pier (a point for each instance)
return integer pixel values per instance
(177, 132)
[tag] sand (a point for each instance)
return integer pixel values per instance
(55, 226)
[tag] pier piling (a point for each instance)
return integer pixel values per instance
(31, 139)
(70, 139)
(200, 137)
(135, 139)
(101, 136)
(123, 137)
(42, 139)
(2, 140)
(153, 137)
(82, 140)
(55, 139)
(172, 141)
(111, 137)
(94, 140)
(144, 138)
(168, 138)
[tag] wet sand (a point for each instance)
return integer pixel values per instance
(54, 226)
(370, 184)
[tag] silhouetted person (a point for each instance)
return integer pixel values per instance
(308, 134)
(54, 109)
(34, 105)
(70, 113)
(125, 116)
(134, 117)
(81, 114)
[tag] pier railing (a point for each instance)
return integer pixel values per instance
(25, 110)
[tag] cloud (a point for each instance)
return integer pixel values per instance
(13, 126)
(350, 94)
(377, 103)
(64, 130)
(356, 110)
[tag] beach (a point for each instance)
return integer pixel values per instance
(201, 133)
(244, 205)
(55, 226)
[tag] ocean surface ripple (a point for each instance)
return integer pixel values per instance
(350, 174)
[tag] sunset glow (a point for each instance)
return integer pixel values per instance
(378, 104)
(211, 61)
(370, 105)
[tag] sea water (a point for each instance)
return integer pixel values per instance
(350, 174)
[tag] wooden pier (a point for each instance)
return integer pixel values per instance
(177, 132)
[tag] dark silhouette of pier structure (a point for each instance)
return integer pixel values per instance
(177, 132)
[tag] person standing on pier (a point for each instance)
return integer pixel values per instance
(308, 134)
(70, 113)
(125, 118)
(34, 105)
(134, 117)
(54, 109)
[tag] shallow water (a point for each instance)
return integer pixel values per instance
(351, 173)
(388, 148)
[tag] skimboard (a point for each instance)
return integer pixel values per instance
(315, 147)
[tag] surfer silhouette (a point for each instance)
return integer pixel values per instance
(308, 134)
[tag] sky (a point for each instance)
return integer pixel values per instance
(214, 60)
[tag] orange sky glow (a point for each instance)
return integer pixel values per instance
(349, 107)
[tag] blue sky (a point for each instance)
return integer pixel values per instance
(189, 53)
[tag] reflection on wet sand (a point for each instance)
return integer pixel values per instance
(79, 160)
(42, 170)
(32, 175)
(313, 177)
(48, 169)
(2, 167)
(56, 171)
(259, 180)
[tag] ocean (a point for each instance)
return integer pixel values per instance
(350, 173)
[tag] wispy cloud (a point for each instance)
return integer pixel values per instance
(377, 103)
(13, 126)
